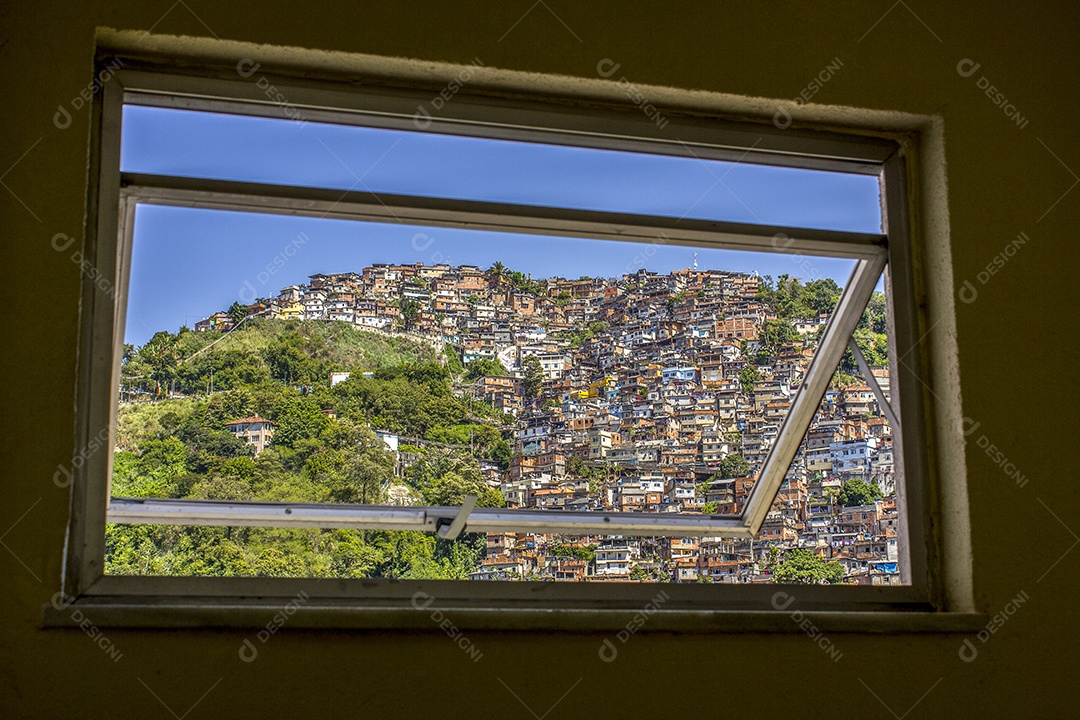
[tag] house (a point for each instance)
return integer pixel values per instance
(256, 431)
(613, 558)
(217, 321)
(852, 456)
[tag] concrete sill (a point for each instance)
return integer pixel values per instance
(218, 613)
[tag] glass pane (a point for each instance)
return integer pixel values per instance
(279, 151)
(835, 518)
(299, 359)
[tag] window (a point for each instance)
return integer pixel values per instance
(709, 364)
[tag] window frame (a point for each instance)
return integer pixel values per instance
(371, 603)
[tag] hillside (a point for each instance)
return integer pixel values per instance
(258, 350)
(323, 449)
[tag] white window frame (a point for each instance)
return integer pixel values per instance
(391, 102)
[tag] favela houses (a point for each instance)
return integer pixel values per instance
(421, 384)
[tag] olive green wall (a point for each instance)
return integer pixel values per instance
(1014, 345)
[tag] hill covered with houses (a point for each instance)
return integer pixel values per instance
(646, 393)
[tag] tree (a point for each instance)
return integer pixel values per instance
(821, 294)
(775, 334)
(534, 376)
(160, 355)
(734, 466)
(576, 467)
(289, 361)
(485, 367)
(453, 361)
(297, 419)
(749, 377)
(410, 311)
(803, 566)
(368, 468)
(581, 552)
(858, 492)
(237, 313)
(179, 448)
(446, 480)
(484, 440)
(874, 318)
(498, 273)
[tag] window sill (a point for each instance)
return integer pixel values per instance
(215, 613)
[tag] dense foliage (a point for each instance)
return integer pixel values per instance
(858, 492)
(803, 566)
(792, 300)
(324, 449)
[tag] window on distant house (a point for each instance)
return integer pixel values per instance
(353, 337)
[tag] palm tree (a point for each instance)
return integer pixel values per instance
(497, 272)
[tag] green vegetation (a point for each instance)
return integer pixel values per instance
(261, 352)
(581, 552)
(749, 376)
(525, 283)
(534, 377)
(453, 361)
(870, 335)
(858, 492)
(485, 367)
(410, 313)
(803, 566)
(733, 466)
(237, 312)
(323, 449)
(790, 300)
(582, 332)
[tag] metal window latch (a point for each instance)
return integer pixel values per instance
(449, 529)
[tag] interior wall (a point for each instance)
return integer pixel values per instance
(1012, 323)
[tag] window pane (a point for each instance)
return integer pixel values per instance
(278, 151)
(835, 518)
(343, 361)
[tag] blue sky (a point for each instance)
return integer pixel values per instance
(188, 263)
